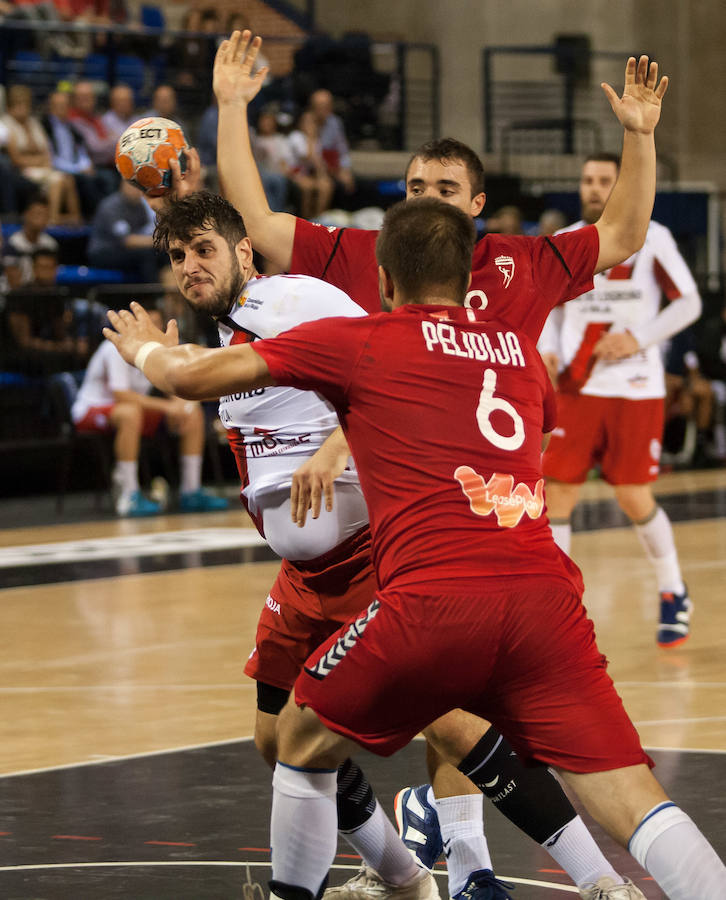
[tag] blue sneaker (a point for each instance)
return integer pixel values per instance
(675, 615)
(482, 885)
(418, 824)
(201, 501)
(136, 505)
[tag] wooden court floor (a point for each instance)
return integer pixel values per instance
(139, 653)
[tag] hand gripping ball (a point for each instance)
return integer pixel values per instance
(144, 150)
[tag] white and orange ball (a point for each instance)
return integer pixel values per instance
(144, 150)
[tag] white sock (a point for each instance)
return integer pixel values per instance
(683, 863)
(303, 826)
(562, 533)
(461, 820)
(575, 850)
(377, 841)
(126, 476)
(656, 536)
(191, 474)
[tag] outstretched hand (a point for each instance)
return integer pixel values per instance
(639, 108)
(133, 328)
(233, 81)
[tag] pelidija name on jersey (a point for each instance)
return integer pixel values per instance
(473, 344)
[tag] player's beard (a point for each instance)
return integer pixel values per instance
(220, 303)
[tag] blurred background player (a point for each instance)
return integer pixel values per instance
(114, 397)
(605, 345)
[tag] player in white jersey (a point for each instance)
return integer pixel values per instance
(326, 572)
(611, 387)
(114, 396)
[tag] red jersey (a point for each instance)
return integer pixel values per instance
(444, 413)
(517, 279)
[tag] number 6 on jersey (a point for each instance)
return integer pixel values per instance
(488, 403)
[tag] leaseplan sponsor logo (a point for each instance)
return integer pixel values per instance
(499, 496)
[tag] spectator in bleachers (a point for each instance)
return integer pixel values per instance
(88, 122)
(550, 221)
(688, 403)
(194, 52)
(69, 154)
(164, 104)
(308, 170)
(711, 353)
(121, 111)
(12, 184)
(40, 326)
(507, 220)
(121, 235)
(23, 244)
(333, 141)
(114, 396)
(29, 151)
(274, 159)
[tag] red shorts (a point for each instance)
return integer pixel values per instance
(98, 418)
(522, 656)
(307, 603)
(623, 436)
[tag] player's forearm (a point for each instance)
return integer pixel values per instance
(674, 317)
(271, 233)
(624, 222)
(199, 373)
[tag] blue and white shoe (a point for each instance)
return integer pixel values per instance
(418, 824)
(675, 618)
(482, 885)
(136, 505)
(201, 501)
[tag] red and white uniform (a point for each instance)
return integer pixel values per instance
(444, 412)
(326, 573)
(623, 436)
(625, 298)
(515, 278)
(106, 373)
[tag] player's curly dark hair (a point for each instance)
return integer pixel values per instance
(181, 219)
(426, 245)
(451, 150)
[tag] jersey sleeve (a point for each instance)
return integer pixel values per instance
(564, 264)
(344, 257)
(316, 356)
(670, 269)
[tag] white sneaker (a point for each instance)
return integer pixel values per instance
(367, 884)
(607, 889)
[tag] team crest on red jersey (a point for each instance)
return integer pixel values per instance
(499, 496)
(505, 264)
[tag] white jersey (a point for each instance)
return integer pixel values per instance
(107, 372)
(273, 430)
(625, 298)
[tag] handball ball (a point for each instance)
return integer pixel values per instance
(143, 152)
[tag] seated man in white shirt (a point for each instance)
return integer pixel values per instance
(114, 396)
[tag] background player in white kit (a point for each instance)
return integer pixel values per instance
(611, 389)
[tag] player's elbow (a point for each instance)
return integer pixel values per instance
(619, 243)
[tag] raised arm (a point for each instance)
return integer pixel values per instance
(624, 222)
(186, 370)
(271, 233)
